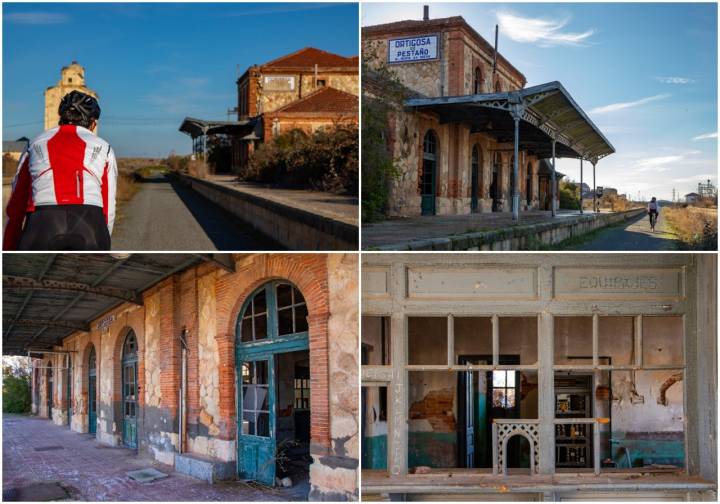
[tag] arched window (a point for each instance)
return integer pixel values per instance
(477, 81)
(130, 390)
(276, 309)
(427, 178)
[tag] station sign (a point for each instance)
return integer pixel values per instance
(279, 83)
(104, 323)
(420, 48)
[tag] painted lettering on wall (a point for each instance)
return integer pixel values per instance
(600, 282)
(424, 47)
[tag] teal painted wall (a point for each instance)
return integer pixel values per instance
(374, 452)
(649, 448)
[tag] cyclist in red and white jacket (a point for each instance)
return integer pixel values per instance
(64, 189)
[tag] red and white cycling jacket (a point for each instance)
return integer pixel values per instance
(66, 165)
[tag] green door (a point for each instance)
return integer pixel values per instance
(69, 390)
(129, 391)
(428, 176)
(92, 393)
(272, 321)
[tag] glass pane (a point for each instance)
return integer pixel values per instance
(519, 337)
(473, 338)
(298, 297)
(427, 340)
(615, 341)
(662, 341)
(573, 340)
(510, 398)
(511, 379)
(246, 330)
(301, 314)
(249, 396)
(263, 425)
(248, 368)
(249, 422)
(260, 327)
(285, 323)
(262, 398)
(261, 372)
(499, 399)
(499, 378)
(375, 341)
(284, 295)
(260, 303)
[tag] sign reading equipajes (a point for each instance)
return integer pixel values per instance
(424, 47)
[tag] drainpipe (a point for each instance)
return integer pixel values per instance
(581, 185)
(183, 394)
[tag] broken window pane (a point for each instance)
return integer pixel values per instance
(662, 341)
(616, 341)
(427, 340)
(518, 339)
(374, 427)
(573, 340)
(376, 341)
(432, 422)
(473, 340)
(573, 446)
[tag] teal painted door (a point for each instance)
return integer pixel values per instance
(428, 176)
(130, 391)
(257, 421)
(92, 393)
(273, 321)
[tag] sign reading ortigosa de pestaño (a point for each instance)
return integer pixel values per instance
(424, 47)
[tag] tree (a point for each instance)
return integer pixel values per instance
(16, 389)
(569, 197)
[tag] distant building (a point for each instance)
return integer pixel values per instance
(692, 197)
(14, 148)
(72, 78)
(307, 90)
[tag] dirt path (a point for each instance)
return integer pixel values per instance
(167, 216)
(635, 235)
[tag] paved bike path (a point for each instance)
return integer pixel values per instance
(635, 236)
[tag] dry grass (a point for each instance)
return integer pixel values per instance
(697, 230)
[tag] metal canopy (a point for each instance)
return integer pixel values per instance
(547, 111)
(47, 297)
(199, 127)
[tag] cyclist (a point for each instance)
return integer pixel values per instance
(653, 209)
(64, 189)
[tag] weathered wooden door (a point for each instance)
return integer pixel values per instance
(428, 177)
(92, 392)
(129, 391)
(257, 420)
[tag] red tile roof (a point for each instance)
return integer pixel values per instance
(309, 57)
(327, 99)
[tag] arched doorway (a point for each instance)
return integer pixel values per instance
(494, 182)
(129, 390)
(92, 391)
(49, 390)
(528, 185)
(68, 390)
(429, 172)
(273, 400)
(475, 164)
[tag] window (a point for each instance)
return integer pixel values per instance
(375, 341)
(276, 309)
(320, 83)
(477, 81)
(292, 311)
(503, 383)
(302, 390)
(255, 411)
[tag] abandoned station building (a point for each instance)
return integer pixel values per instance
(463, 129)
(539, 377)
(231, 365)
(307, 90)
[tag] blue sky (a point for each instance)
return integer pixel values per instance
(646, 74)
(154, 64)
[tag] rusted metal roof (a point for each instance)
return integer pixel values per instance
(547, 110)
(47, 297)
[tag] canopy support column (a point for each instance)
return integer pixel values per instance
(595, 207)
(516, 113)
(552, 183)
(581, 185)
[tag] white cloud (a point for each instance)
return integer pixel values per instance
(36, 18)
(706, 136)
(657, 163)
(674, 80)
(613, 107)
(544, 32)
(696, 178)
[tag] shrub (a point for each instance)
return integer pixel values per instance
(697, 229)
(569, 197)
(16, 390)
(326, 160)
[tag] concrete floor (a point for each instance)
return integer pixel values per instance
(88, 470)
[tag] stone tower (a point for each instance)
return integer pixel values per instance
(72, 78)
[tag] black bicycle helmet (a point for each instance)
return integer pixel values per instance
(84, 104)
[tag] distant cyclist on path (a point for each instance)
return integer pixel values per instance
(653, 209)
(63, 195)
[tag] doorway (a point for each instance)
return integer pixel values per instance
(428, 176)
(68, 391)
(92, 388)
(129, 390)
(273, 363)
(474, 178)
(494, 182)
